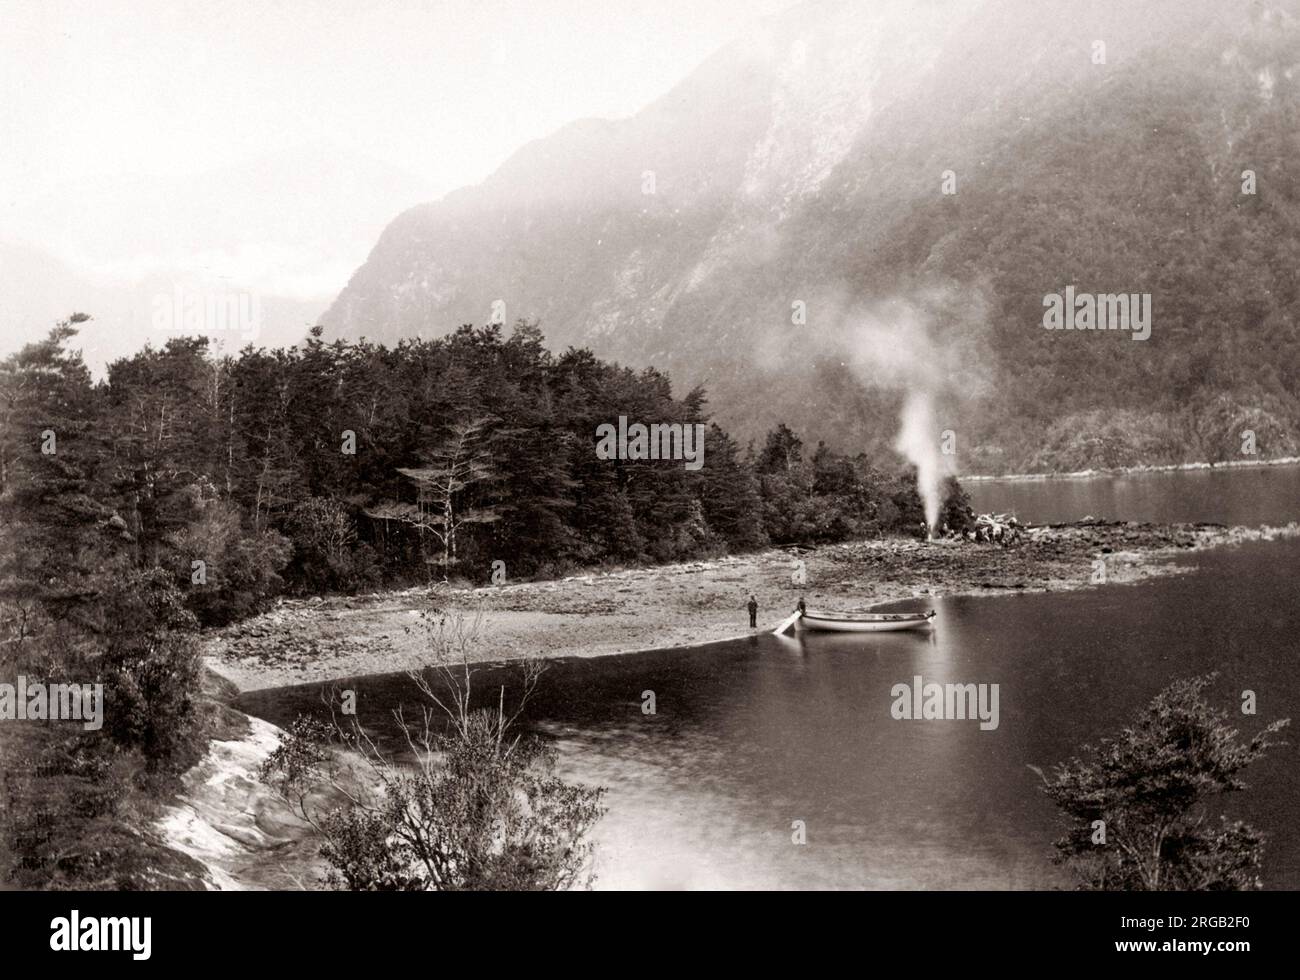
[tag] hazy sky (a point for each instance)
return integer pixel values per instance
(445, 89)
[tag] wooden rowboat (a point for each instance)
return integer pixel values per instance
(864, 622)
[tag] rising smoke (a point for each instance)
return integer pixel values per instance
(897, 345)
(918, 442)
(927, 346)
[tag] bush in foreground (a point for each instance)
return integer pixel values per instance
(1138, 802)
(480, 807)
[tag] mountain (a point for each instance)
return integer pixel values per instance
(280, 233)
(37, 290)
(776, 228)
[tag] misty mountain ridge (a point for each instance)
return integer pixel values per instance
(279, 233)
(752, 229)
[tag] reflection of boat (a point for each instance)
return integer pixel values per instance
(864, 622)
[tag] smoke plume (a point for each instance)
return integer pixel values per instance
(928, 348)
(918, 442)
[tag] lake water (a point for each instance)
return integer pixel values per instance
(751, 736)
(1237, 495)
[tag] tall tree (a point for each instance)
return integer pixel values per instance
(160, 438)
(58, 522)
(458, 463)
(729, 492)
(782, 451)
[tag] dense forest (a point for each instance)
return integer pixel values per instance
(336, 467)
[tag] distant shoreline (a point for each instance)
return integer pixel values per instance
(1131, 470)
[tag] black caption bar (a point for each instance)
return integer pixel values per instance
(337, 931)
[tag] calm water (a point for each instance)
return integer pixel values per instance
(753, 735)
(1250, 496)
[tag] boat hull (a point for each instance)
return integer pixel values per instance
(865, 622)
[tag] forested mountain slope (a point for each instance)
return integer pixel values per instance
(805, 165)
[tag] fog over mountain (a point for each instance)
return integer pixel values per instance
(776, 228)
(280, 233)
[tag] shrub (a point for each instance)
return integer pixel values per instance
(152, 672)
(1138, 801)
(480, 808)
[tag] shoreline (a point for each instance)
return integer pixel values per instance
(1133, 470)
(690, 604)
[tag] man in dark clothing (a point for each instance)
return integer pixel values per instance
(753, 612)
(802, 607)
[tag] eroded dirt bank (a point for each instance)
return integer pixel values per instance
(618, 612)
(226, 819)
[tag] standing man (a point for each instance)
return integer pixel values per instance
(802, 607)
(753, 612)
